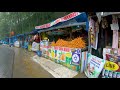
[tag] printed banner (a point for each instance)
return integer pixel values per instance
(94, 66)
(62, 19)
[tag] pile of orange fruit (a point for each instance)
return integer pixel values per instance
(75, 43)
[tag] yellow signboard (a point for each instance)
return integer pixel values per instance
(111, 66)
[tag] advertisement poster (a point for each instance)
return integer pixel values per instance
(94, 66)
(76, 56)
(93, 33)
(113, 63)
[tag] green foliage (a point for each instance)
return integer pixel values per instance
(21, 22)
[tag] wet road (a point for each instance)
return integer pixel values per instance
(26, 68)
(6, 62)
(16, 63)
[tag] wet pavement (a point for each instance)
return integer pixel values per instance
(23, 66)
(26, 68)
(6, 62)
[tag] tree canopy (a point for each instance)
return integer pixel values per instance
(22, 22)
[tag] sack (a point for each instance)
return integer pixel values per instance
(35, 46)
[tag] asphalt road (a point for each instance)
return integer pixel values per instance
(6, 62)
(16, 63)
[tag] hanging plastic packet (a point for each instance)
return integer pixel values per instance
(106, 73)
(110, 74)
(114, 74)
(118, 75)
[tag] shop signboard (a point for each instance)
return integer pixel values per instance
(94, 66)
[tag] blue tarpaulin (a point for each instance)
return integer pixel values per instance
(33, 32)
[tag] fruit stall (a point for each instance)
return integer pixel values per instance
(71, 53)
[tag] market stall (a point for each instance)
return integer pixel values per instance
(67, 49)
(104, 45)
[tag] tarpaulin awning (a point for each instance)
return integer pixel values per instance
(33, 32)
(81, 19)
(62, 19)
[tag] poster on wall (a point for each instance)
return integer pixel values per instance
(93, 28)
(94, 66)
(76, 56)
